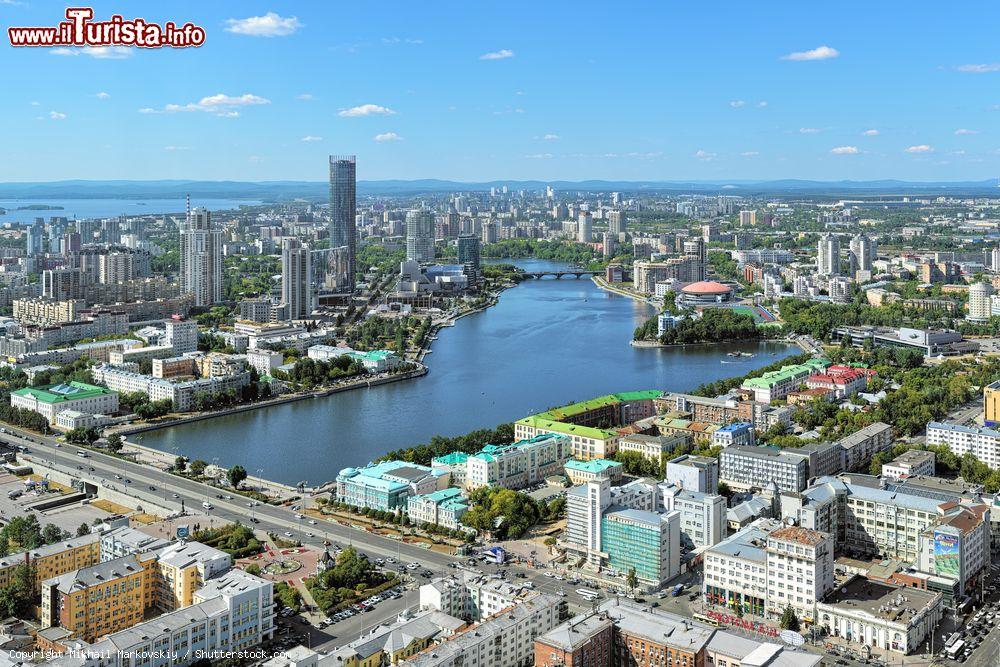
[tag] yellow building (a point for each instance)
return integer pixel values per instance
(100, 599)
(183, 568)
(991, 403)
(55, 559)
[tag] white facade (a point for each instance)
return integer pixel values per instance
(702, 515)
(519, 464)
(201, 259)
(799, 570)
(983, 443)
(979, 301)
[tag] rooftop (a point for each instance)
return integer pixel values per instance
(593, 465)
(62, 392)
(706, 287)
(798, 535)
(891, 603)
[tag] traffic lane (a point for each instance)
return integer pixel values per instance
(270, 517)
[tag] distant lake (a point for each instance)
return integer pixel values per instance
(108, 208)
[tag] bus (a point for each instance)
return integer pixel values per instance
(588, 594)
(677, 590)
(955, 649)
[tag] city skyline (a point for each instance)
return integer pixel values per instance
(532, 93)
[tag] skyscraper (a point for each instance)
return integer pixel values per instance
(616, 222)
(296, 278)
(201, 258)
(420, 235)
(33, 238)
(585, 227)
(468, 256)
(343, 205)
(863, 250)
(828, 255)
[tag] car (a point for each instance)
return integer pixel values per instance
(152, 488)
(57, 444)
(176, 496)
(229, 497)
(549, 575)
(117, 476)
(288, 533)
(91, 468)
(310, 535)
(299, 517)
(654, 604)
(427, 573)
(254, 519)
(312, 522)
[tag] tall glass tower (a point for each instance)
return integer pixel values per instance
(343, 205)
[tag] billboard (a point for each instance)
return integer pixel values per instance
(946, 554)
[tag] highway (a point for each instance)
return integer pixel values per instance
(277, 520)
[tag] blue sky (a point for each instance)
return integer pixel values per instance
(572, 90)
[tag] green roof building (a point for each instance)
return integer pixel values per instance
(52, 399)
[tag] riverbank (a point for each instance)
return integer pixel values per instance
(608, 287)
(167, 422)
(652, 344)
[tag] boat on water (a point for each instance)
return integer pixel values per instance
(740, 355)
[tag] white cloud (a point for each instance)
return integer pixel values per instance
(845, 150)
(551, 137)
(921, 148)
(305, 97)
(736, 104)
(255, 159)
(979, 68)
(102, 95)
(704, 155)
(268, 25)
(963, 131)
(819, 53)
(366, 110)
(56, 115)
(539, 156)
(870, 133)
(221, 105)
(35, 103)
(749, 153)
(310, 137)
(762, 104)
(99, 52)
(497, 55)
(387, 136)
(809, 130)
(176, 148)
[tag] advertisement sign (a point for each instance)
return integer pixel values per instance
(946, 554)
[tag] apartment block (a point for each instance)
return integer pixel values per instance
(694, 473)
(519, 464)
(861, 446)
(799, 569)
(745, 468)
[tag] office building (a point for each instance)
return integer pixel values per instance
(343, 233)
(694, 473)
(519, 464)
(655, 448)
(53, 560)
(201, 258)
(799, 571)
(386, 486)
(585, 227)
(991, 403)
(296, 279)
(873, 614)
(735, 570)
(581, 472)
(702, 515)
(909, 464)
(420, 236)
(444, 508)
(736, 433)
(828, 256)
(744, 468)
(50, 400)
(980, 308)
(468, 257)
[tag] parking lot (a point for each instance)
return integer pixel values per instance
(977, 641)
(16, 498)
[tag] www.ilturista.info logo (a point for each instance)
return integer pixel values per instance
(80, 30)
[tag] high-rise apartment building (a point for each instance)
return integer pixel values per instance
(748, 218)
(616, 222)
(343, 205)
(585, 227)
(828, 255)
(468, 256)
(201, 258)
(420, 236)
(863, 251)
(296, 278)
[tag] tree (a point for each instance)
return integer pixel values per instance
(789, 621)
(83, 529)
(724, 490)
(53, 533)
(197, 467)
(180, 463)
(631, 580)
(236, 475)
(115, 443)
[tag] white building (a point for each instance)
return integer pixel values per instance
(745, 468)
(910, 463)
(201, 258)
(828, 256)
(694, 473)
(735, 570)
(862, 445)
(50, 400)
(799, 571)
(702, 515)
(983, 443)
(980, 308)
(264, 361)
(519, 464)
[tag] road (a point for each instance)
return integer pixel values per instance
(277, 520)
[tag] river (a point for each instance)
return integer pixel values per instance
(546, 343)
